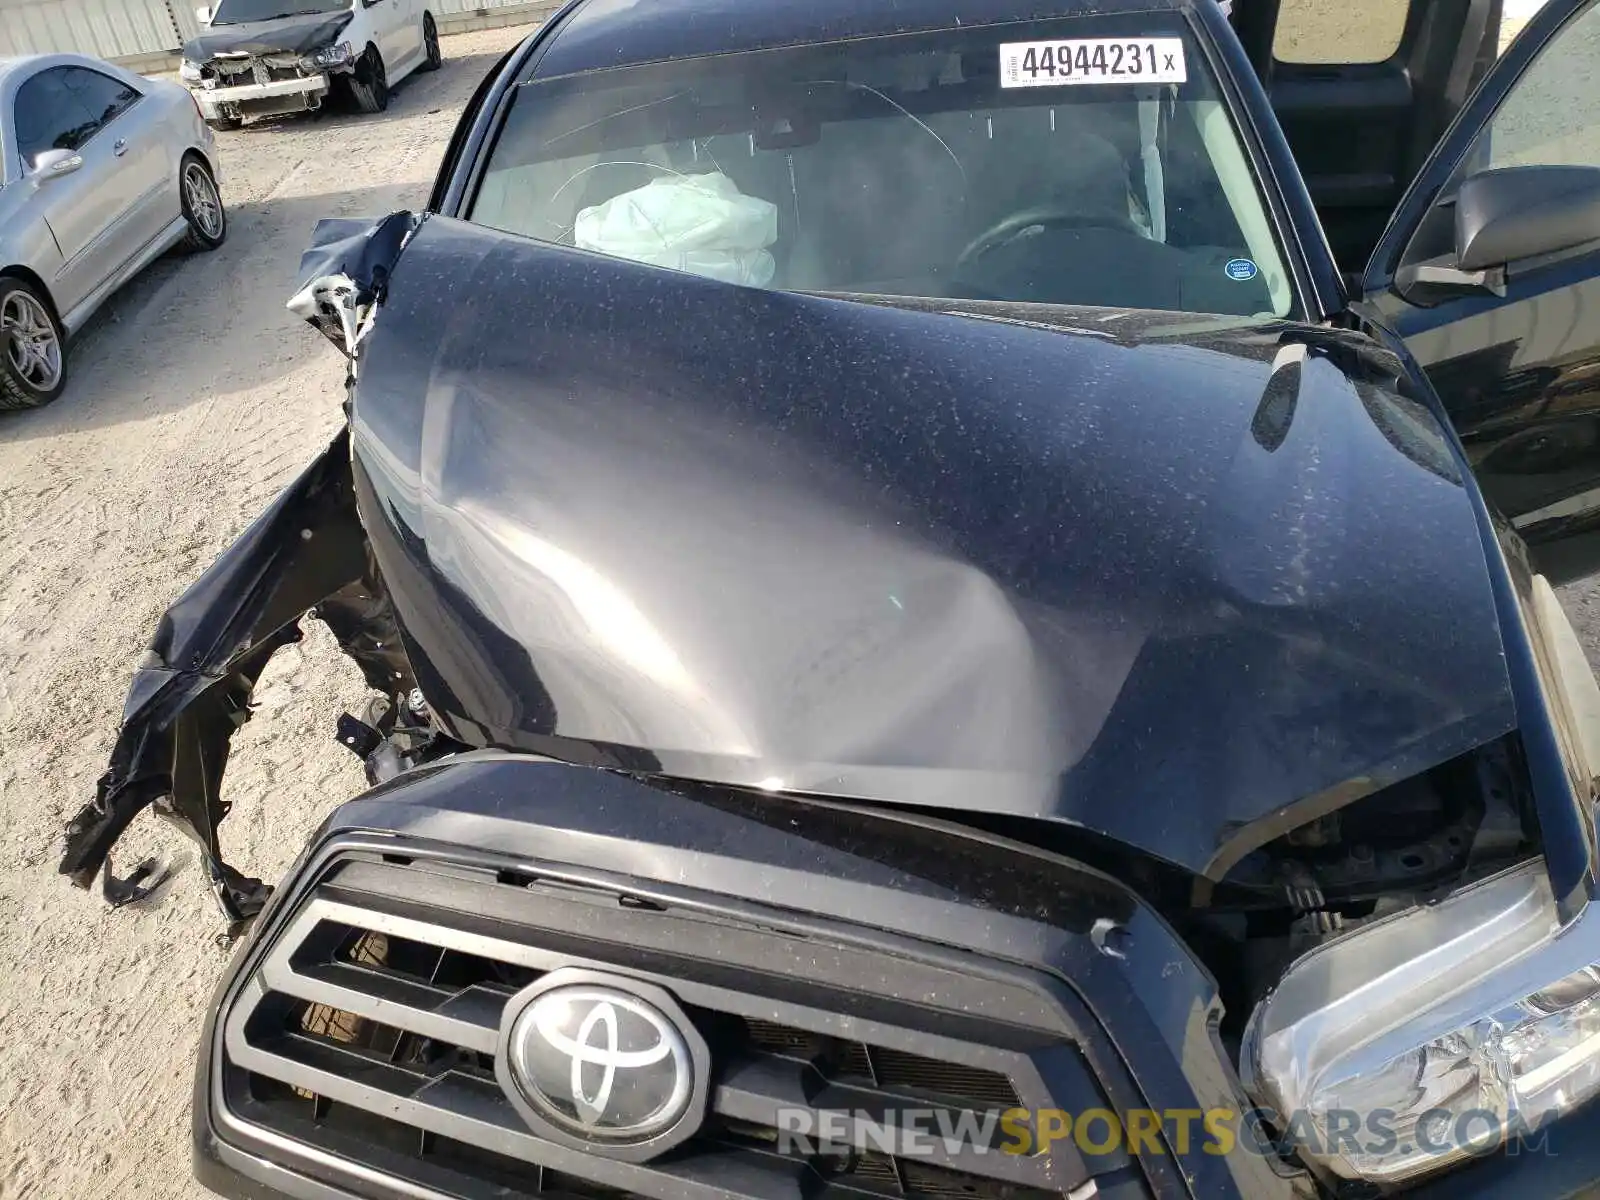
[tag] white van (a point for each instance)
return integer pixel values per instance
(257, 58)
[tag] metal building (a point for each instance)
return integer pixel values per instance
(146, 34)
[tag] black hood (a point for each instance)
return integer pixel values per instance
(1156, 583)
(299, 36)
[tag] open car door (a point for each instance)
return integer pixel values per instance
(1363, 90)
(1490, 273)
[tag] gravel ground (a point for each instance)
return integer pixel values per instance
(195, 398)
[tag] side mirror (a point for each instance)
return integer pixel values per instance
(1511, 213)
(52, 164)
(203, 14)
(1507, 215)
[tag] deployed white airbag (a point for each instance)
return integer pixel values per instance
(698, 223)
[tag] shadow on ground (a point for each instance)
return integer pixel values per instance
(196, 325)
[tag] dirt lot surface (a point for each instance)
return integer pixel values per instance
(195, 397)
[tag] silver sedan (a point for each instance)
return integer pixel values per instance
(101, 172)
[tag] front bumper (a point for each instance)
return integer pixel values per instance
(262, 99)
(985, 957)
(537, 864)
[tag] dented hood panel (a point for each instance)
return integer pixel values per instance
(1162, 585)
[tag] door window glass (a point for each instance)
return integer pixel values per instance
(100, 95)
(49, 117)
(1549, 118)
(62, 108)
(1552, 115)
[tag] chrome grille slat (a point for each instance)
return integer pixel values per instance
(380, 921)
(300, 1053)
(371, 885)
(279, 971)
(755, 1091)
(476, 1006)
(368, 1004)
(471, 1021)
(466, 1113)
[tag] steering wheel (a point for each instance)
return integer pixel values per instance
(1004, 230)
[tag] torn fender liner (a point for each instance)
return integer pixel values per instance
(193, 688)
(307, 550)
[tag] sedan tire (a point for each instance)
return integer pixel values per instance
(33, 363)
(202, 205)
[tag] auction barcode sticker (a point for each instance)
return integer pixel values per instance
(1092, 60)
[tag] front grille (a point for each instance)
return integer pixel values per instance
(369, 1032)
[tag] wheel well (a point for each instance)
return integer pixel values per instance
(196, 152)
(32, 279)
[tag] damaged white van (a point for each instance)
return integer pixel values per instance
(258, 58)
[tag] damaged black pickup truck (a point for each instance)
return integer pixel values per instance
(929, 642)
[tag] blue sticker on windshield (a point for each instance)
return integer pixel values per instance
(1240, 269)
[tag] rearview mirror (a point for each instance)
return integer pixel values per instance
(1507, 214)
(203, 14)
(52, 164)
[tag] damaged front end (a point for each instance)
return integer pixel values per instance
(267, 70)
(470, 537)
(306, 555)
(306, 552)
(830, 590)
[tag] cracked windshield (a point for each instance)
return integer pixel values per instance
(1087, 162)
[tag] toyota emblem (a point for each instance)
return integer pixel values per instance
(603, 1061)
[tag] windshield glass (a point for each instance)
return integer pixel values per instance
(242, 12)
(1087, 161)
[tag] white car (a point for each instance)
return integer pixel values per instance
(101, 172)
(258, 58)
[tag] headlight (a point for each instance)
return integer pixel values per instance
(330, 56)
(189, 71)
(1457, 1025)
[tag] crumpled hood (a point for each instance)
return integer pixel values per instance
(1155, 584)
(288, 35)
